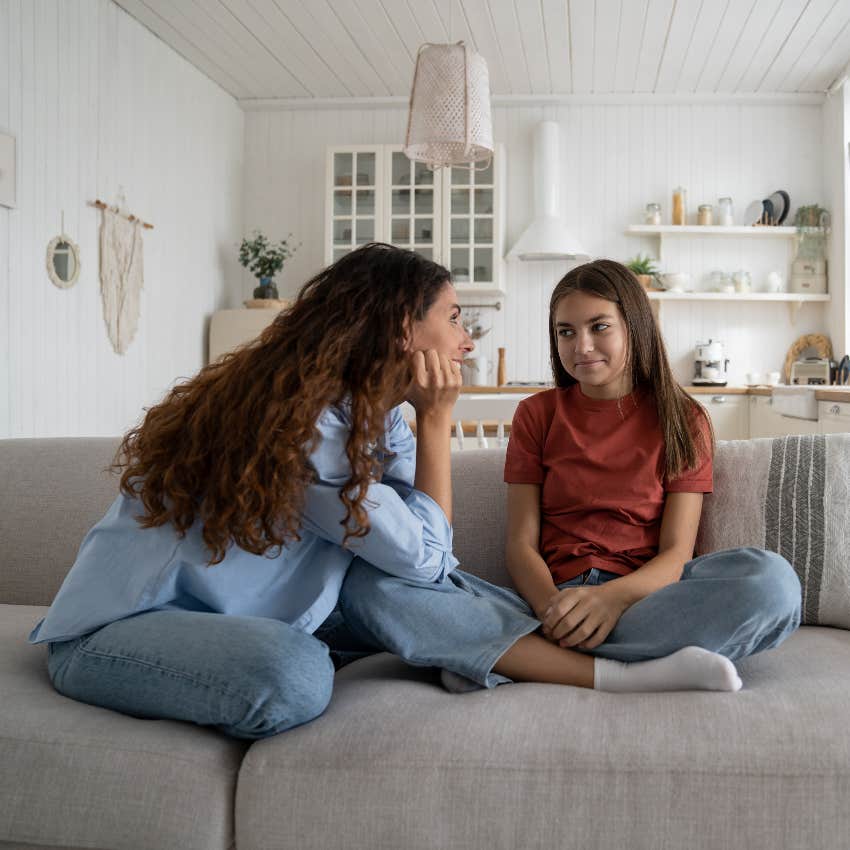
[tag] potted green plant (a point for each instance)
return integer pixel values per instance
(644, 269)
(811, 216)
(264, 260)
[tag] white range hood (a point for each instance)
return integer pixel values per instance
(547, 237)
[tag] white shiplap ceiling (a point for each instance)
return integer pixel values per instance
(286, 49)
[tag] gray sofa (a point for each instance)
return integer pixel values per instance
(398, 763)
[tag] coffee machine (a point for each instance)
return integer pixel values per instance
(710, 366)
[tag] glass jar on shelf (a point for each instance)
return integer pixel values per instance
(720, 281)
(679, 214)
(705, 215)
(652, 214)
(743, 281)
(725, 214)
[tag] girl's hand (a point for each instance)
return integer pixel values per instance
(435, 382)
(582, 617)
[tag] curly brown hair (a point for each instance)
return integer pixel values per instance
(679, 415)
(231, 445)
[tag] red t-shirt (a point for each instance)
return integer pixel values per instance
(598, 462)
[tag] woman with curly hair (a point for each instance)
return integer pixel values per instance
(209, 590)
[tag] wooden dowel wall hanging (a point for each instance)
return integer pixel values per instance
(121, 271)
(102, 206)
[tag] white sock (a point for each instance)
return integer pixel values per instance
(689, 669)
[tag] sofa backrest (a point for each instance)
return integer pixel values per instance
(789, 494)
(52, 491)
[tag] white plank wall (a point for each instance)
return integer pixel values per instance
(97, 102)
(615, 159)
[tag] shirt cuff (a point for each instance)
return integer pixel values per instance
(437, 532)
(690, 487)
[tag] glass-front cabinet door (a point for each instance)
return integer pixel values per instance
(453, 215)
(414, 207)
(471, 228)
(354, 202)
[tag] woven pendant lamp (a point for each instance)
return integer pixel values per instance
(449, 121)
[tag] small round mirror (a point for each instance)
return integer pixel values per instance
(63, 261)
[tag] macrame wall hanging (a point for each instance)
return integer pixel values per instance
(121, 273)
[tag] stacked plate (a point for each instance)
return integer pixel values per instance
(771, 210)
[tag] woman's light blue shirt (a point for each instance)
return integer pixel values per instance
(123, 569)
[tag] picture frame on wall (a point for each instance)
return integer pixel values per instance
(7, 170)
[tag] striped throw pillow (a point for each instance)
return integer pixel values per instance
(790, 495)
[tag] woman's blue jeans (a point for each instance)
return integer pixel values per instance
(249, 677)
(736, 603)
(252, 677)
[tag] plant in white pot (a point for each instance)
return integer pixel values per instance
(264, 260)
(644, 269)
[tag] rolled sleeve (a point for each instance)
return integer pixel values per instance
(400, 464)
(409, 535)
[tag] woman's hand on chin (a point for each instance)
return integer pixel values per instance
(435, 382)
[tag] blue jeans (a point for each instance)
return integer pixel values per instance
(252, 677)
(736, 603)
(249, 677)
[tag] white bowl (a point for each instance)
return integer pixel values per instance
(677, 281)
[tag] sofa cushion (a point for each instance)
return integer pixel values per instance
(76, 775)
(790, 495)
(53, 492)
(396, 762)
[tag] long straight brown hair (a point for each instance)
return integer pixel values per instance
(231, 445)
(683, 421)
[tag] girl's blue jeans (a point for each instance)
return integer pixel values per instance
(253, 677)
(736, 602)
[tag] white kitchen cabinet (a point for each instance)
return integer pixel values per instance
(767, 422)
(415, 202)
(354, 199)
(729, 415)
(454, 216)
(472, 227)
(833, 417)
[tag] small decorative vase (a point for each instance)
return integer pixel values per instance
(266, 289)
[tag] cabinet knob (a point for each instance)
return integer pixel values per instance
(718, 399)
(835, 410)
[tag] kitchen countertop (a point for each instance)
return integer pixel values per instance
(839, 394)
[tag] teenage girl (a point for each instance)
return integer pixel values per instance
(606, 477)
